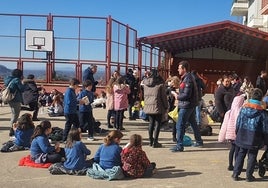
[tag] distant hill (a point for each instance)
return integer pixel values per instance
(4, 71)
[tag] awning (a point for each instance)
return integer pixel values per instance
(226, 35)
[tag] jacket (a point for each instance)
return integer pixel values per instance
(155, 98)
(15, 86)
(70, 101)
(135, 161)
(252, 126)
(31, 92)
(121, 97)
(76, 156)
(90, 96)
(224, 98)
(188, 92)
(227, 131)
(39, 145)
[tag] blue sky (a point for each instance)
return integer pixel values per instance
(148, 17)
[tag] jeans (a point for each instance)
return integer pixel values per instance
(187, 115)
(154, 127)
(71, 119)
(15, 112)
(239, 162)
(87, 122)
(198, 114)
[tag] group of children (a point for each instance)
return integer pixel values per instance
(245, 126)
(131, 161)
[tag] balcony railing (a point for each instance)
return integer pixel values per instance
(239, 8)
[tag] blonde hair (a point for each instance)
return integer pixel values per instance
(112, 136)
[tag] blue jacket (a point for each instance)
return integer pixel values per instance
(70, 101)
(23, 137)
(188, 92)
(90, 95)
(88, 75)
(39, 145)
(252, 126)
(15, 86)
(108, 156)
(76, 156)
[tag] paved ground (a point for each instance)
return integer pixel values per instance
(195, 167)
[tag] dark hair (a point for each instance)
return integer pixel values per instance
(41, 129)
(185, 64)
(112, 136)
(74, 81)
(135, 140)
(87, 83)
(30, 76)
(257, 94)
(17, 73)
(73, 135)
(121, 80)
(25, 122)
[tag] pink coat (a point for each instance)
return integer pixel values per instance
(228, 126)
(120, 97)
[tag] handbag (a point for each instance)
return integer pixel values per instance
(7, 95)
(174, 114)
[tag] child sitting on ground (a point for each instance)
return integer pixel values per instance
(76, 152)
(56, 108)
(107, 160)
(41, 150)
(135, 161)
(23, 130)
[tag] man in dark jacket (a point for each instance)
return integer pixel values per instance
(88, 75)
(260, 82)
(188, 100)
(30, 95)
(251, 134)
(224, 96)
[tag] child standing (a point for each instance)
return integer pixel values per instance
(70, 107)
(121, 91)
(108, 154)
(227, 131)
(41, 150)
(85, 98)
(251, 133)
(135, 161)
(76, 152)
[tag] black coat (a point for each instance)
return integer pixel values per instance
(31, 92)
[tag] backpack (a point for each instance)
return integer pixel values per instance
(7, 95)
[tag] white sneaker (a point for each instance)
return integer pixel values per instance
(12, 138)
(90, 138)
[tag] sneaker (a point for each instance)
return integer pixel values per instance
(236, 177)
(90, 138)
(198, 144)
(122, 129)
(110, 126)
(36, 119)
(176, 149)
(230, 168)
(250, 178)
(157, 145)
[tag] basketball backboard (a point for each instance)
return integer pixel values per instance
(38, 40)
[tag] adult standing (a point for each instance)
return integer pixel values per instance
(224, 96)
(132, 96)
(89, 75)
(17, 87)
(31, 94)
(188, 100)
(200, 88)
(155, 105)
(260, 82)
